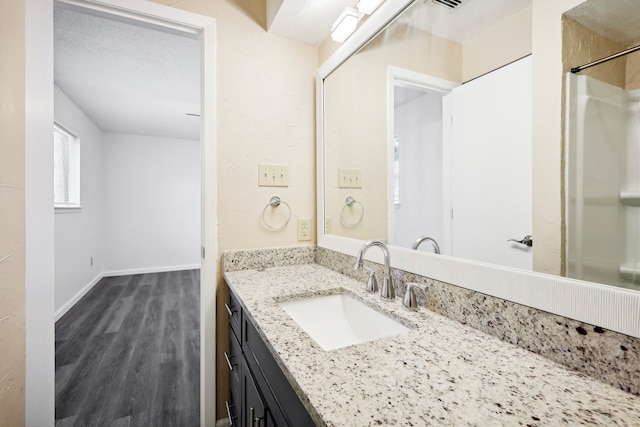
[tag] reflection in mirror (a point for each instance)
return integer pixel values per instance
(603, 122)
(433, 158)
(418, 164)
(438, 148)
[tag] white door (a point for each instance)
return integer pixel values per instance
(490, 160)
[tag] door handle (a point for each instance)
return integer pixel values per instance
(526, 240)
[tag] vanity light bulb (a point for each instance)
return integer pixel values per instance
(368, 6)
(345, 25)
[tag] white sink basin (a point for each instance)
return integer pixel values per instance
(340, 320)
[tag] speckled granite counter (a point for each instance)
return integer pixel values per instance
(439, 373)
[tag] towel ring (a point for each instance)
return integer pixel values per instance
(349, 202)
(274, 203)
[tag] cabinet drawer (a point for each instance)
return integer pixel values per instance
(234, 311)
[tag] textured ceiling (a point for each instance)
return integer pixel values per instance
(127, 78)
(616, 20)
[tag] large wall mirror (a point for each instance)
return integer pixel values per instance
(423, 141)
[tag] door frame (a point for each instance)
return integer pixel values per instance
(397, 76)
(39, 214)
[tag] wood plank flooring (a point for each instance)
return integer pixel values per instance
(128, 353)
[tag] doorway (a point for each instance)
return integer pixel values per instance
(416, 167)
(39, 311)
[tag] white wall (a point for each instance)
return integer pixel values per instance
(140, 198)
(151, 203)
(418, 125)
(79, 232)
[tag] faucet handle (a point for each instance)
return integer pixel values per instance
(372, 283)
(410, 301)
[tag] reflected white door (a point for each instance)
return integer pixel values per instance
(490, 160)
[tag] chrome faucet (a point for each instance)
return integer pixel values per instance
(410, 301)
(387, 292)
(417, 243)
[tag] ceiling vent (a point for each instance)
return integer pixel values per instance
(451, 4)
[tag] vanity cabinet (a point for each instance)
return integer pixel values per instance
(260, 394)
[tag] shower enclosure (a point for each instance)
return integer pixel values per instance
(603, 182)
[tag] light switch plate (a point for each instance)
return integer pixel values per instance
(273, 175)
(349, 178)
(304, 229)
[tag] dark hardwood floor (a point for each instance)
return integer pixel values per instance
(128, 353)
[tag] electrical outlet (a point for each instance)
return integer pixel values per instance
(304, 229)
(349, 178)
(327, 225)
(273, 175)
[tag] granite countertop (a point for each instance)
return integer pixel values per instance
(441, 372)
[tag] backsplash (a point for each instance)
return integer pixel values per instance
(249, 259)
(609, 356)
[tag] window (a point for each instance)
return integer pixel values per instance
(396, 172)
(66, 168)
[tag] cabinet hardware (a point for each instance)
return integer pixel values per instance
(229, 412)
(229, 309)
(226, 356)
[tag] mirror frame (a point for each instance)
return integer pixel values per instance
(612, 308)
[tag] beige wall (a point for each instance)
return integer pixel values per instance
(326, 49)
(632, 80)
(501, 44)
(266, 113)
(12, 213)
(548, 127)
(580, 45)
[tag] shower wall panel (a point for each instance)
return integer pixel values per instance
(601, 144)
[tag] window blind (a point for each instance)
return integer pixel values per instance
(62, 166)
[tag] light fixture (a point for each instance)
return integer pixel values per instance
(368, 6)
(345, 25)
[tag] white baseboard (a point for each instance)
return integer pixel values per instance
(82, 292)
(114, 273)
(223, 423)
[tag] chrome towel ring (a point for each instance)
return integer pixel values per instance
(274, 203)
(349, 202)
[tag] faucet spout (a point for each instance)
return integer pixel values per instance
(417, 243)
(387, 291)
